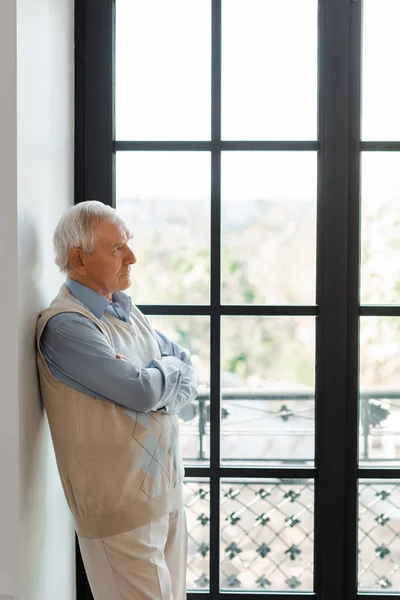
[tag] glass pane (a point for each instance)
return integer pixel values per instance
(196, 496)
(379, 536)
(267, 386)
(192, 333)
(165, 198)
(267, 535)
(380, 228)
(269, 227)
(269, 69)
(380, 80)
(380, 391)
(163, 69)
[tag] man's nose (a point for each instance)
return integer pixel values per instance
(131, 258)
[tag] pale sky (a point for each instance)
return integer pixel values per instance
(381, 79)
(244, 175)
(269, 91)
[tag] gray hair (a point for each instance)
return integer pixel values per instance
(76, 229)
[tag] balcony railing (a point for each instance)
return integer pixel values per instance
(267, 530)
(377, 409)
(267, 526)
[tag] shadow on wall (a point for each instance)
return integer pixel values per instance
(31, 420)
(30, 304)
(39, 481)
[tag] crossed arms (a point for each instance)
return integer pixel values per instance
(79, 355)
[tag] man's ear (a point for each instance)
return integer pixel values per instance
(77, 261)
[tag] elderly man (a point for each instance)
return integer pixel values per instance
(112, 387)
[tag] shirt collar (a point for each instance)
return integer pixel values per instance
(124, 302)
(95, 302)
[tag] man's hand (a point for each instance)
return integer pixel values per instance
(121, 357)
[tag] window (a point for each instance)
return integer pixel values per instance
(257, 164)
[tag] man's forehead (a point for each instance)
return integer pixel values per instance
(112, 233)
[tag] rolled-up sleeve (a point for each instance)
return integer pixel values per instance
(79, 355)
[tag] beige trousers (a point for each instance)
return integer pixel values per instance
(147, 563)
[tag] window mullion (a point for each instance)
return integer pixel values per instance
(351, 518)
(215, 341)
(95, 94)
(332, 289)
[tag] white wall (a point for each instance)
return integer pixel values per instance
(9, 487)
(45, 191)
(37, 190)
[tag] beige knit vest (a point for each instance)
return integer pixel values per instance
(119, 468)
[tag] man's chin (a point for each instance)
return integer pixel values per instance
(125, 283)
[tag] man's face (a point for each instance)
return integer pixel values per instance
(107, 269)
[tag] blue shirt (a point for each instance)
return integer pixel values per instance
(79, 355)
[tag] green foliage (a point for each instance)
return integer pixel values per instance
(377, 412)
(267, 258)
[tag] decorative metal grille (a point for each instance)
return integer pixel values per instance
(266, 535)
(197, 503)
(379, 536)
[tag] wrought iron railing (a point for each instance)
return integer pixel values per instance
(375, 408)
(267, 535)
(266, 540)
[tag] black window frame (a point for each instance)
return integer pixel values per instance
(337, 310)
